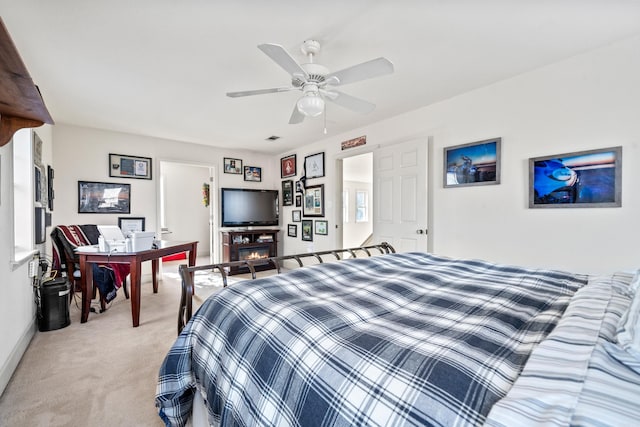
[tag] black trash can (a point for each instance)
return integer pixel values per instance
(53, 312)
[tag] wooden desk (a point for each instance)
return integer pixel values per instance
(135, 260)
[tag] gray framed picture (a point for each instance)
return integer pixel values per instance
(582, 179)
(476, 163)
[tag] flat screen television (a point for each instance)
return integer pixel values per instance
(242, 207)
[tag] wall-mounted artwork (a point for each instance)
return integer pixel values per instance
(287, 193)
(252, 173)
(233, 166)
(292, 230)
(581, 179)
(313, 204)
(476, 163)
(322, 227)
(307, 230)
(104, 197)
(288, 166)
(123, 166)
(314, 165)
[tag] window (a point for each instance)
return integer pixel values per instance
(362, 206)
(345, 206)
(23, 192)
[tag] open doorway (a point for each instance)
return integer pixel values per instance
(357, 200)
(186, 204)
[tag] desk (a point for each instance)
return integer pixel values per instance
(135, 260)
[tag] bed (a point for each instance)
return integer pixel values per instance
(410, 339)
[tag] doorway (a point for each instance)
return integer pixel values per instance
(186, 208)
(357, 199)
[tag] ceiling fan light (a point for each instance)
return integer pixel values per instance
(311, 104)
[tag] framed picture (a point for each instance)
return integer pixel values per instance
(313, 204)
(296, 216)
(314, 165)
(476, 163)
(288, 166)
(123, 166)
(287, 193)
(129, 224)
(298, 200)
(233, 166)
(292, 230)
(104, 197)
(582, 179)
(252, 173)
(50, 192)
(307, 230)
(321, 227)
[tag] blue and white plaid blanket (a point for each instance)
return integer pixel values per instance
(402, 339)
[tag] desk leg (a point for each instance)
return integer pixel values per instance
(193, 253)
(86, 286)
(154, 274)
(135, 293)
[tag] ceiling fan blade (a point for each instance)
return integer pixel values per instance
(296, 116)
(366, 70)
(260, 91)
(283, 59)
(350, 102)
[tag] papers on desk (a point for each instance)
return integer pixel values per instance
(88, 248)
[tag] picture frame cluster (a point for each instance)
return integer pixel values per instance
(308, 199)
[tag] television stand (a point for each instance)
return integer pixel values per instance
(249, 245)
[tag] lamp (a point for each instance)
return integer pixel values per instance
(311, 103)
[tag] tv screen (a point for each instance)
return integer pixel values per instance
(243, 207)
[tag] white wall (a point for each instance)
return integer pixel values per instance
(82, 154)
(586, 102)
(17, 307)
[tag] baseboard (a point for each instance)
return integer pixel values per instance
(12, 362)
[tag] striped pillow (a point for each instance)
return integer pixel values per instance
(628, 334)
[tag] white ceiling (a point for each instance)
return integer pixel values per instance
(162, 67)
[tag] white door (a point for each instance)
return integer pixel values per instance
(400, 195)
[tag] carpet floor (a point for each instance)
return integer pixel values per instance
(99, 373)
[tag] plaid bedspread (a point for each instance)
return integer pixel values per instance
(401, 339)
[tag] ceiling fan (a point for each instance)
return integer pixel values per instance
(316, 82)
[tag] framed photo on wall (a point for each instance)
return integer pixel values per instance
(233, 166)
(288, 166)
(252, 173)
(313, 204)
(104, 197)
(582, 179)
(307, 230)
(292, 230)
(476, 163)
(296, 216)
(287, 193)
(314, 165)
(322, 227)
(124, 166)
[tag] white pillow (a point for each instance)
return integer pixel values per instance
(628, 334)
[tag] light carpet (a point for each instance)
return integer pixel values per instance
(103, 372)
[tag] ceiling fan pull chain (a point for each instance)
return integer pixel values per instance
(325, 118)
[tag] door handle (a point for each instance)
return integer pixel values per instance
(421, 231)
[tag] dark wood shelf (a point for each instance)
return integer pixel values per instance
(21, 104)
